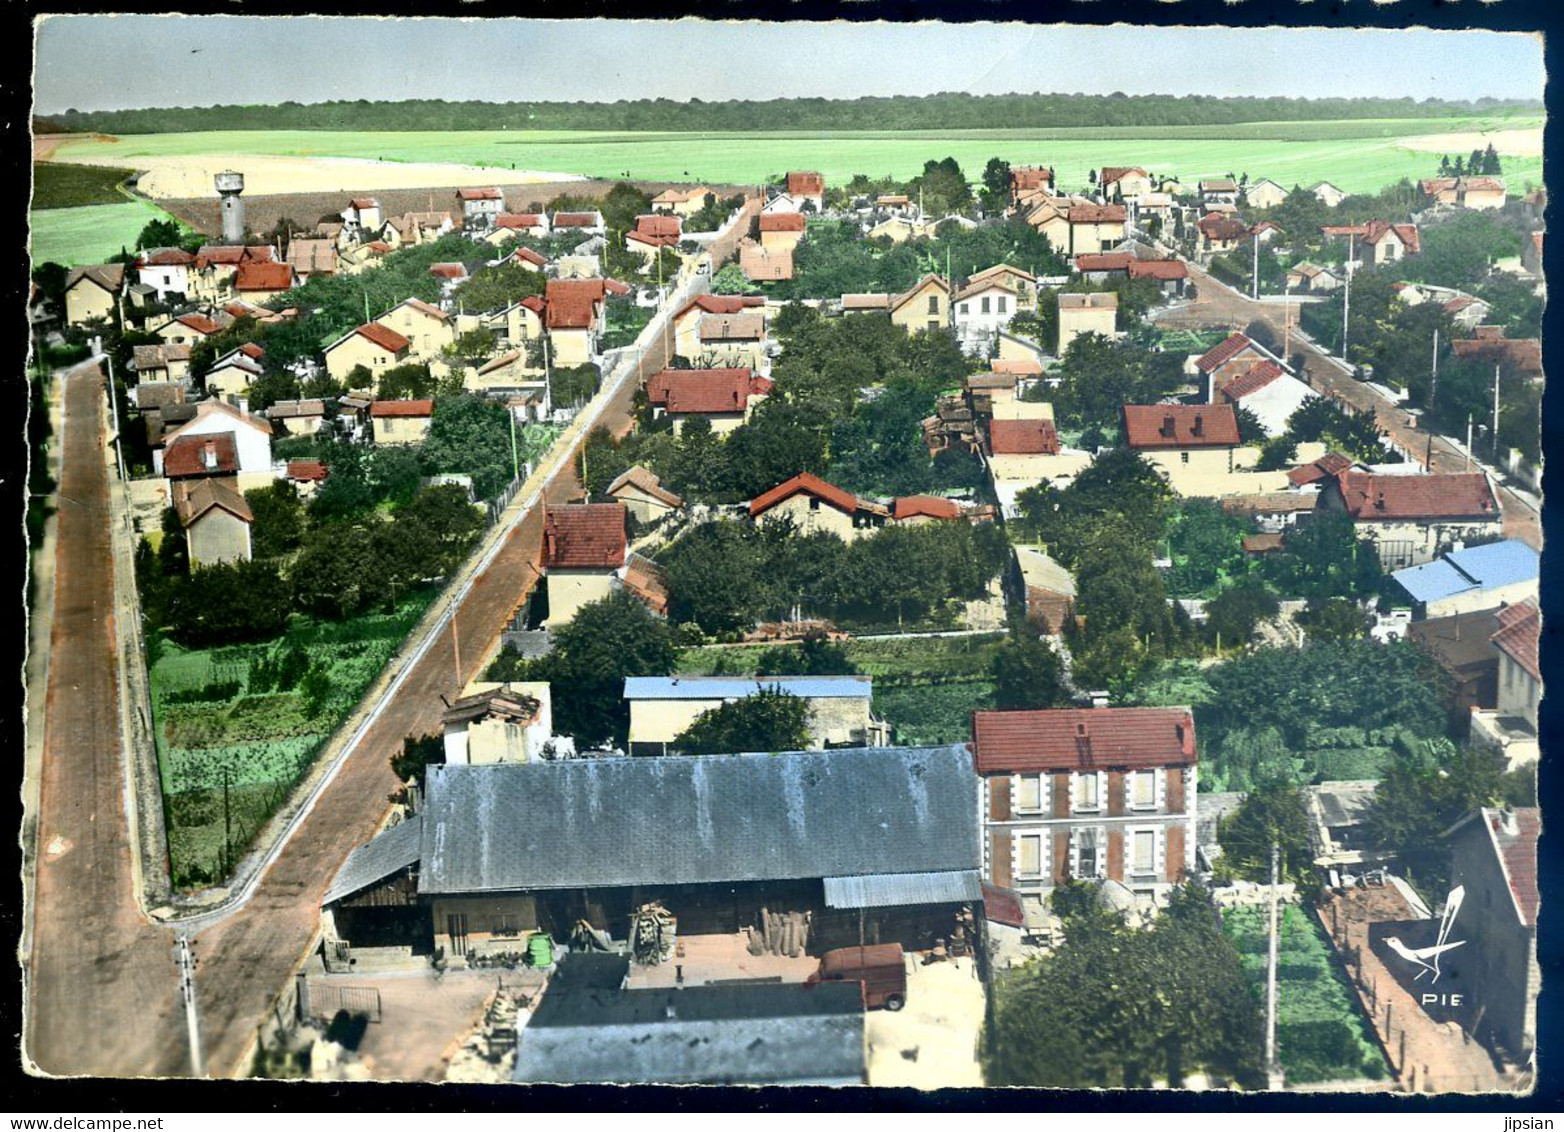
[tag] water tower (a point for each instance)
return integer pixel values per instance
(229, 186)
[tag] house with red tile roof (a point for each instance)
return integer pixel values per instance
(480, 207)
(166, 270)
(1028, 181)
(721, 330)
(1489, 344)
(1198, 449)
(200, 457)
(1122, 184)
(1478, 193)
(188, 329)
(1170, 273)
(683, 200)
(362, 215)
(584, 549)
(1220, 233)
(781, 231)
(1493, 859)
(1019, 452)
(1097, 794)
(216, 519)
(808, 187)
(575, 314)
(578, 223)
(1234, 355)
(212, 275)
(811, 505)
(1269, 391)
(762, 266)
(1511, 728)
(652, 233)
(256, 281)
(1073, 225)
(643, 495)
(1087, 312)
(916, 510)
(426, 327)
(1376, 241)
(723, 397)
(401, 421)
(510, 225)
(374, 346)
(411, 229)
(247, 437)
(1413, 519)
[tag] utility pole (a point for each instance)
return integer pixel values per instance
(456, 652)
(1346, 300)
(1254, 288)
(1468, 441)
(1433, 383)
(1271, 1067)
(515, 460)
(1286, 319)
(1496, 412)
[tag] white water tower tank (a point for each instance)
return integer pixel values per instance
(229, 186)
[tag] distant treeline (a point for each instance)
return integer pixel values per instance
(930, 112)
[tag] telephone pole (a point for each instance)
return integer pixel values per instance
(1496, 412)
(1346, 300)
(1433, 384)
(119, 452)
(185, 961)
(1272, 1070)
(1254, 286)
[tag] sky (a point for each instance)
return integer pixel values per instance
(120, 62)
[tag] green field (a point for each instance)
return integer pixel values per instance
(1321, 1035)
(230, 751)
(89, 235)
(1359, 156)
(77, 186)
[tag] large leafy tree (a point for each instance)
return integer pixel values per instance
(1028, 673)
(1098, 376)
(470, 435)
(770, 720)
(1324, 558)
(1273, 812)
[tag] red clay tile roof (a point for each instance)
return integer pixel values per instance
(1026, 742)
(654, 224)
(519, 220)
(210, 255)
(783, 222)
(307, 471)
(383, 336)
(930, 506)
(1111, 173)
(749, 326)
(424, 408)
(1520, 861)
(700, 391)
(1022, 438)
(805, 184)
(1103, 261)
(720, 304)
(168, 257)
(363, 202)
(651, 241)
(760, 264)
(1263, 543)
(646, 482)
(1223, 352)
(1223, 228)
(479, 194)
(1520, 632)
(1024, 177)
(192, 499)
(571, 304)
(1024, 367)
(187, 456)
(1180, 426)
(584, 536)
(809, 484)
(199, 323)
(1326, 467)
(576, 220)
(1095, 213)
(1163, 269)
(537, 259)
(1446, 495)
(1524, 354)
(447, 271)
(1252, 380)
(253, 276)
(646, 580)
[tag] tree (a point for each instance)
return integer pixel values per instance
(770, 720)
(815, 655)
(470, 435)
(1335, 619)
(943, 188)
(160, 233)
(1205, 543)
(1099, 376)
(493, 288)
(995, 195)
(1234, 614)
(1324, 558)
(1272, 812)
(279, 519)
(409, 381)
(1250, 430)
(229, 603)
(417, 754)
(1028, 674)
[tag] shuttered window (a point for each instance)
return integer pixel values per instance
(1029, 855)
(1087, 788)
(1029, 794)
(1144, 852)
(1143, 789)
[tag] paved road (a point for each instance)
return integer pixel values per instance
(1219, 306)
(101, 979)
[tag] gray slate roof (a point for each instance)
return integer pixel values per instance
(388, 853)
(742, 1035)
(592, 823)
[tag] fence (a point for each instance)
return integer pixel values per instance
(498, 504)
(325, 1000)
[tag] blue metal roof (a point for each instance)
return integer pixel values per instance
(889, 890)
(738, 687)
(1475, 568)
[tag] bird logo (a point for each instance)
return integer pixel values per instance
(1427, 958)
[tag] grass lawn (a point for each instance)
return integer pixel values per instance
(227, 763)
(1358, 156)
(1321, 1035)
(74, 186)
(925, 687)
(89, 235)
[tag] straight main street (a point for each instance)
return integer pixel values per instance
(1219, 306)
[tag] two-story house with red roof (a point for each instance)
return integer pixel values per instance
(1376, 241)
(375, 347)
(480, 207)
(807, 187)
(1511, 726)
(723, 397)
(1095, 794)
(584, 552)
(695, 337)
(1414, 519)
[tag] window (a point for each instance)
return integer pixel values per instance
(1144, 853)
(1143, 790)
(964, 308)
(1086, 855)
(1086, 792)
(1029, 862)
(933, 324)
(934, 304)
(1029, 794)
(814, 504)
(1002, 304)
(1183, 457)
(986, 304)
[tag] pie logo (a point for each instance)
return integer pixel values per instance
(1427, 958)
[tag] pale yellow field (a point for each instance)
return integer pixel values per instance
(1507, 143)
(178, 177)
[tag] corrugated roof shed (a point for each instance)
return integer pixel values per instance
(699, 820)
(1475, 568)
(903, 889)
(389, 852)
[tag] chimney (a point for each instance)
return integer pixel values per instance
(1185, 730)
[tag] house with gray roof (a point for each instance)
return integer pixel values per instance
(872, 845)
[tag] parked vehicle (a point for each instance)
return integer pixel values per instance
(880, 968)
